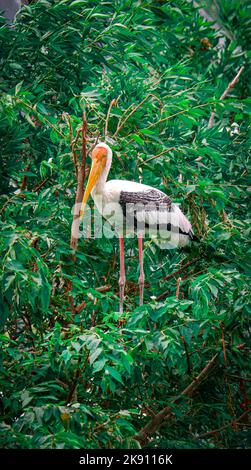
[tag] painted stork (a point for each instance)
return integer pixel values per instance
(141, 207)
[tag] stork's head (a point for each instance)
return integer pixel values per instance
(101, 161)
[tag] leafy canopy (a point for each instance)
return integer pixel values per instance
(73, 373)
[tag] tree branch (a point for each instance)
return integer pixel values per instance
(77, 374)
(80, 186)
(224, 94)
(94, 144)
(153, 425)
(24, 180)
(41, 185)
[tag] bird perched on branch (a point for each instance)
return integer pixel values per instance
(133, 207)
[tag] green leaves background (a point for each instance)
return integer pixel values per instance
(74, 378)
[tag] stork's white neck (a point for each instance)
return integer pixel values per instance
(100, 184)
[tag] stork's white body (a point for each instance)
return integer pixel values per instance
(108, 194)
(166, 223)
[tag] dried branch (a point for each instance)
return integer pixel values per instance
(153, 425)
(224, 94)
(122, 123)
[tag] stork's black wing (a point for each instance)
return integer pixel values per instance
(147, 209)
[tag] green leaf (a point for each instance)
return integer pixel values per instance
(95, 354)
(99, 364)
(114, 373)
(137, 139)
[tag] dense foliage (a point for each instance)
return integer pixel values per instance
(74, 373)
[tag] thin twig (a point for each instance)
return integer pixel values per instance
(24, 180)
(41, 185)
(103, 288)
(100, 426)
(231, 423)
(187, 275)
(67, 117)
(73, 150)
(76, 377)
(9, 200)
(81, 306)
(239, 377)
(159, 155)
(119, 127)
(94, 144)
(181, 269)
(124, 113)
(224, 94)
(48, 251)
(180, 112)
(114, 102)
(73, 141)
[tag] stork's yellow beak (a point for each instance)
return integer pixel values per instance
(99, 156)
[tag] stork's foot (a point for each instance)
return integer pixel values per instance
(121, 294)
(141, 272)
(122, 274)
(141, 289)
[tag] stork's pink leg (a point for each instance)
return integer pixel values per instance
(122, 274)
(141, 273)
